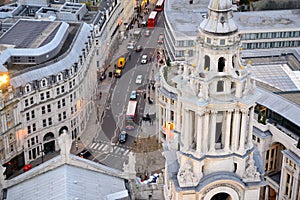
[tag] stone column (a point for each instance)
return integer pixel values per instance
(205, 132)
(212, 131)
(235, 129)
(250, 128)
(199, 132)
(243, 129)
(267, 193)
(185, 129)
(178, 116)
(228, 129)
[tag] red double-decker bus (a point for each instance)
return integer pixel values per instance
(130, 117)
(152, 19)
(159, 5)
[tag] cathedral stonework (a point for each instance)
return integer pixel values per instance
(209, 152)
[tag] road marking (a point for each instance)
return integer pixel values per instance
(92, 146)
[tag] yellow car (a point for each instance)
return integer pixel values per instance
(118, 73)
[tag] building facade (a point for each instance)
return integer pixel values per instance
(276, 29)
(206, 117)
(50, 88)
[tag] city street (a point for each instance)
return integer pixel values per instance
(105, 147)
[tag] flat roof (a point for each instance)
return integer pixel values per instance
(30, 33)
(185, 18)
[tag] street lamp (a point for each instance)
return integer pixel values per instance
(42, 151)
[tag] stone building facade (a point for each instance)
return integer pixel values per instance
(206, 117)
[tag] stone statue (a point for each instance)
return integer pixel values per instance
(65, 143)
(129, 168)
(186, 176)
(251, 174)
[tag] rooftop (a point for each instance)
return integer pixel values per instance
(39, 34)
(185, 18)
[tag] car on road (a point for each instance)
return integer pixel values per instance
(160, 39)
(147, 33)
(144, 59)
(123, 137)
(117, 73)
(139, 79)
(133, 95)
(138, 48)
(131, 45)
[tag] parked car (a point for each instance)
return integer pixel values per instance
(144, 59)
(147, 33)
(138, 48)
(139, 79)
(133, 95)
(123, 137)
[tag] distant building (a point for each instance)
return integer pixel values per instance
(278, 29)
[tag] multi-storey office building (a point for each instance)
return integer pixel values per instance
(258, 29)
(51, 87)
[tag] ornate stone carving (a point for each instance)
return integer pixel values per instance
(186, 176)
(251, 174)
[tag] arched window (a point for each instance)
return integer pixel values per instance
(206, 63)
(221, 196)
(44, 82)
(221, 64)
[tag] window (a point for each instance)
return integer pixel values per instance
(27, 116)
(208, 40)
(49, 121)
(17, 59)
(31, 59)
(28, 129)
(47, 94)
(33, 127)
(42, 96)
(31, 100)
(59, 77)
(172, 101)
(64, 115)
(27, 88)
(44, 83)
(58, 104)
(63, 101)
(220, 86)
(26, 102)
(206, 63)
(59, 117)
(32, 114)
(57, 91)
(222, 42)
(62, 89)
(43, 110)
(44, 123)
(48, 108)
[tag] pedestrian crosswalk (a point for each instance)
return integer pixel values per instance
(110, 148)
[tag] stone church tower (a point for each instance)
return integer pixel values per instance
(208, 146)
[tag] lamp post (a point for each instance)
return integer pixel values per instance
(42, 151)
